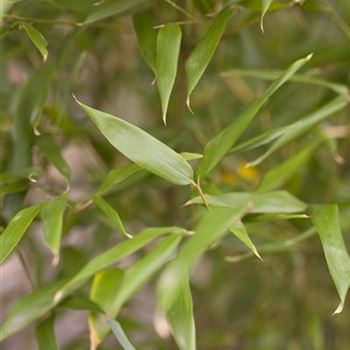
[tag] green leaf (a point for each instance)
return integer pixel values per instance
(111, 8)
(275, 202)
(240, 231)
(111, 214)
(326, 221)
(204, 51)
(221, 144)
(15, 230)
(146, 37)
(45, 334)
(142, 148)
(180, 316)
(265, 7)
(116, 176)
(120, 335)
(138, 275)
(168, 49)
(104, 288)
(51, 213)
(302, 126)
(37, 39)
(212, 226)
(281, 173)
(50, 149)
(34, 306)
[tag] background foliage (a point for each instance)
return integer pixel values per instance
(91, 250)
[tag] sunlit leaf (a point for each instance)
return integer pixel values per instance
(278, 202)
(142, 148)
(120, 335)
(168, 49)
(146, 37)
(37, 39)
(45, 334)
(221, 144)
(326, 221)
(212, 226)
(51, 213)
(204, 51)
(181, 320)
(265, 7)
(240, 231)
(111, 214)
(302, 126)
(15, 230)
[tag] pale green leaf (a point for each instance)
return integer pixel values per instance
(37, 39)
(51, 213)
(221, 144)
(275, 202)
(45, 334)
(168, 49)
(326, 221)
(146, 37)
(15, 230)
(111, 8)
(303, 125)
(120, 335)
(240, 231)
(142, 148)
(265, 7)
(181, 319)
(212, 226)
(111, 214)
(204, 51)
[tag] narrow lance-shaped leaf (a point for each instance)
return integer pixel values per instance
(302, 126)
(326, 221)
(240, 231)
(137, 276)
(142, 148)
(168, 49)
(15, 230)
(221, 144)
(37, 39)
(111, 214)
(212, 226)
(34, 306)
(120, 335)
(204, 51)
(146, 37)
(180, 316)
(265, 7)
(45, 334)
(275, 202)
(104, 287)
(51, 213)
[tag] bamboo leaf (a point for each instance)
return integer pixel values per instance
(204, 51)
(142, 148)
(15, 230)
(37, 39)
(302, 126)
(265, 7)
(180, 316)
(45, 334)
(120, 335)
(326, 221)
(240, 231)
(51, 213)
(275, 202)
(212, 226)
(146, 37)
(111, 214)
(221, 144)
(168, 49)
(112, 8)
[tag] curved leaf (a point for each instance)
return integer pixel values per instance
(45, 334)
(37, 39)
